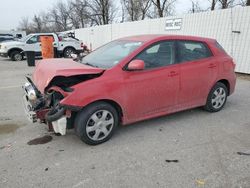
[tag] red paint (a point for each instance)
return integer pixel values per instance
(146, 93)
(58, 89)
(48, 68)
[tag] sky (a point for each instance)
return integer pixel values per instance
(11, 11)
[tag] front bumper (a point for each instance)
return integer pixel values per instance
(2, 54)
(31, 101)
(28, 101)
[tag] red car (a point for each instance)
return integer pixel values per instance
(129, 80)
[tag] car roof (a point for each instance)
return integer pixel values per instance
(150, 37)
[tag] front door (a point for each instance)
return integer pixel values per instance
(34, 44)
(152, 91)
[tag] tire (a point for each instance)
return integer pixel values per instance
(68, 51)
(217, 98)
(16, 56)
(96, 123)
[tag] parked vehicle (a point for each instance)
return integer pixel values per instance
(65, 46)
(129, 80)
(6, 38)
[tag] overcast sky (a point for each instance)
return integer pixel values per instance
(11, 11)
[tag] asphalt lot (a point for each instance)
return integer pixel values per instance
(205, 145)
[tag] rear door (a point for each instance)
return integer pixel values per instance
(198, 71)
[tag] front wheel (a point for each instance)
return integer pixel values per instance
(96, 123)
(16, 56)
(217, 98)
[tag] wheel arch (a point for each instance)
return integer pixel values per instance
(14, 49)
(113, 103)
(226, 83)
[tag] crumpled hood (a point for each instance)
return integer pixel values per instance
(47, 69)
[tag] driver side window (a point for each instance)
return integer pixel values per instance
(32, 40)
(159, 54)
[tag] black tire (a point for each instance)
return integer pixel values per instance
(68, 51)
(16, 56)
(55, 114)
(83, 120)
(210, 104)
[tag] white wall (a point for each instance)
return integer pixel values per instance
(217, 24)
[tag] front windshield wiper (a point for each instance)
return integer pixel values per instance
(90, 65)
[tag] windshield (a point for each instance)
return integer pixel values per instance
(110, 54)
(25, 38)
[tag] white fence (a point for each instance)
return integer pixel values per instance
(231, 28)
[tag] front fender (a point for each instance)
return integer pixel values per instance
(89, 92)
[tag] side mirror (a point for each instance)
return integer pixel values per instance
(136, 65)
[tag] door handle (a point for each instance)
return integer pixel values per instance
(211, 65)
(173, 73)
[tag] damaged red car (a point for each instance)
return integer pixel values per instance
(129, 80)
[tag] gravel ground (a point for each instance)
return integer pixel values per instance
(193, 148)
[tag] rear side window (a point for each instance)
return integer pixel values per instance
(219, 47)
(192, 50)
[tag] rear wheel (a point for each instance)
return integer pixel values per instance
(16, 56)
(217, 98)
(68, 51)
(96, 123)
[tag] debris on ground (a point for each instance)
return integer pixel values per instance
(172, 161)
(200, 182)
(41, 140)
(6, 147)
(46, 169)
(243, 153)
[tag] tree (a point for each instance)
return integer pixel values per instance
(24, 25)
(37, 24)
(226, 3)
(78, 13)
(164, 7)
(145, 5)
(213, 4)
(101, 11)
(132, 8)
(195, 7)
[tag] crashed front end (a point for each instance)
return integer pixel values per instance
(42, 101)
(46, 108)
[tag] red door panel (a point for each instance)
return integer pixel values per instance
(151, 91)
(197, 78)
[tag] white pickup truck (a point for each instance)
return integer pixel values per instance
(65, 46)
